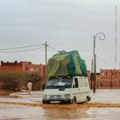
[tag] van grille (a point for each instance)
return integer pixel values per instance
(55, 96)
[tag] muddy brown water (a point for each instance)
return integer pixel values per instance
(18, 112)
(107, 109)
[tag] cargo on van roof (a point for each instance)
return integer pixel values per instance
(66, 64)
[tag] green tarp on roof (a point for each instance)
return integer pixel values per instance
(66, 64)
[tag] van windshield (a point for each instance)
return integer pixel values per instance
(59, 83)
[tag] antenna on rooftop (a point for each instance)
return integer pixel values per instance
(115, 36)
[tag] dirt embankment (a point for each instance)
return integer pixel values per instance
(84, 105)
(5, 92)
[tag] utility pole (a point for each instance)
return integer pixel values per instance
(94, 56)
(91, 78)
(46, 58)
(111, 79)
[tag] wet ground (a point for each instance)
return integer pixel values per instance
(21, 106)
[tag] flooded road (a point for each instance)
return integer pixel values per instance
(106, 96)
(28, 111)
(16, 112)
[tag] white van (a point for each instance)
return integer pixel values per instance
(67, 90)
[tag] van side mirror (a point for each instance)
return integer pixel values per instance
(43, 86)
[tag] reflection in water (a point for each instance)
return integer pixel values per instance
(64, 113)
(16, 112)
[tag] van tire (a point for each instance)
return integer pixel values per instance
(73, 101)
(88, 98)
(43, 102)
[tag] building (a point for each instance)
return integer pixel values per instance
(110, 78)
(107, 78)
(26, 67)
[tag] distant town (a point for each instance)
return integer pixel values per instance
(15, 75)
(22, 66)
(107, 78)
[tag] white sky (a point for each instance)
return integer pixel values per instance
(64, 24)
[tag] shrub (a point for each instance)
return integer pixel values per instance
(18, 81)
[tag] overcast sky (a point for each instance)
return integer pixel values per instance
(64, 24)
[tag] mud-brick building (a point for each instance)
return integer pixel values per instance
(110, 78)
(107, 78)
(22, 66)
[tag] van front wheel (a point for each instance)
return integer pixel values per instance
(73, 101)
(88, 98)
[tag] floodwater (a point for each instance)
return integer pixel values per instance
(20, 112)
(16, 112)
(106, 96)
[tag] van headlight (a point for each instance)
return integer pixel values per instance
(46, 96)
(62, 96)
(67, 95)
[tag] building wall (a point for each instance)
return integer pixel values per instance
(10, 68)
(22, 66)
(107, 78)
(110, 77)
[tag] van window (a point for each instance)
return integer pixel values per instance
(86, 83)
(59, 83)
(76, 82)
(82, 82)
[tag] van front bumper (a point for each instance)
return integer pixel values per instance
(58, 100)
(63, 98)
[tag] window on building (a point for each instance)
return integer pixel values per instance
(102, 73)
(26, 68)
(37, 69)
(31, 69)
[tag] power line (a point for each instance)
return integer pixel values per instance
(21, 47)
(21, 50)
(103, 60)
(53, 48)
(88, 57)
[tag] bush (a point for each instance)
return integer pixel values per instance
(18, 81)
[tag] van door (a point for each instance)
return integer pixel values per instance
(76, 90)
